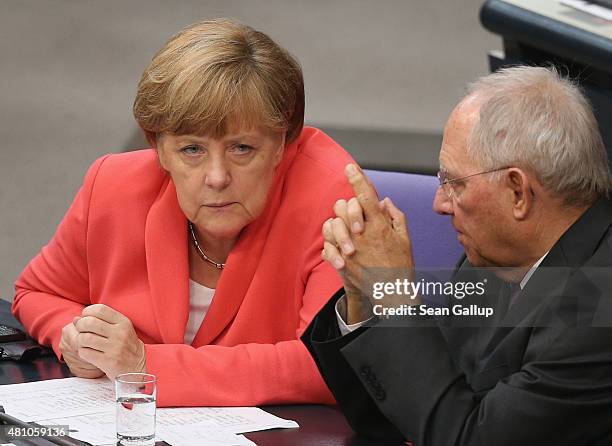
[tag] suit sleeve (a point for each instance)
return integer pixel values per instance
(417, 387)
(325, 343)
(261, 374)
(54, 286)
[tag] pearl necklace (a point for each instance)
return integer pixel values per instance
(194, 239)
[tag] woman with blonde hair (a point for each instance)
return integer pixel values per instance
(199, 260)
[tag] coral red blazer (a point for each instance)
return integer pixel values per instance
(123, 243)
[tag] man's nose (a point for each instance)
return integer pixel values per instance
(442, 203)
(217, 174)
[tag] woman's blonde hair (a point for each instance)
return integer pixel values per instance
(218, 74)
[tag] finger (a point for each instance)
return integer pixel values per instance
(340, 209)
(332, 255)
(77, 363)
(74, 361)
(328, 233)
(92, 356)
(103, 312)
(342, 236)
(92, 341)
(355, 215)
(69, 330)
(91, 324)
(398, 219)
(364, 191)
(86, 373)
(68, 338)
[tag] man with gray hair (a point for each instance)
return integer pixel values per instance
(524, 177)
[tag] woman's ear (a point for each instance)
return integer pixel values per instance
(159, 148)
(278, 154)
(151, 138)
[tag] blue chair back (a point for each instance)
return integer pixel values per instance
(434, 241)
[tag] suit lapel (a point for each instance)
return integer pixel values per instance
(571, 251)
(502, 345)
(582, 239)
(167, 264)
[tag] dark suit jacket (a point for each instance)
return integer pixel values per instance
(545, 377)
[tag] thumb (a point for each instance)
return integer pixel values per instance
(398, 219)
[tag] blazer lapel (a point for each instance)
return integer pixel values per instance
(167, 264)
(243, 260)
(232, 286)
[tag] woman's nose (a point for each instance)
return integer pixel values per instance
(217, 175)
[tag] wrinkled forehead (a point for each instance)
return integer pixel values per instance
(454, 157)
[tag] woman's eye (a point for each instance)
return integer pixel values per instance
(242, 149)
(191, 150)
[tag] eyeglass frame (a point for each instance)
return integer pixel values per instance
(451, 192)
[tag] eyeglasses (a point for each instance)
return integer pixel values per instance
(447, 183)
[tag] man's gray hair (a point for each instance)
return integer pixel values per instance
(534, 118)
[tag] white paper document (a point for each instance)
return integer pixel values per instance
(57, 398)
(99, 428)
(87, 407)
(237, 420)
(200, 435)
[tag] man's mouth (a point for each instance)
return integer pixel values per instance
(460, 236)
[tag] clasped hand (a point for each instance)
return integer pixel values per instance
(366, 233)
(101, 341)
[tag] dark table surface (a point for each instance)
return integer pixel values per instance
(319, 425)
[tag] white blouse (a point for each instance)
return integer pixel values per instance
(200, 298)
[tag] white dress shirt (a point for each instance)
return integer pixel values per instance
(341, 303)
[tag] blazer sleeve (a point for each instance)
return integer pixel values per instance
(410, 377)
(54, 287)
(261, 374)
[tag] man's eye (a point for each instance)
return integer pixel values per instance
(191, 150)
(458, 186)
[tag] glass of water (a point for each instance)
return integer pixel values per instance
(135, 396)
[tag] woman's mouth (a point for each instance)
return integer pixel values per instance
(219, 205)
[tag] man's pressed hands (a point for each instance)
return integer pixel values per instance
(102, 341)
(366, 233)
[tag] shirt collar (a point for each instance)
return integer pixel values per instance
(532, 270)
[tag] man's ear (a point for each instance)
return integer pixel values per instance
(521, 192)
